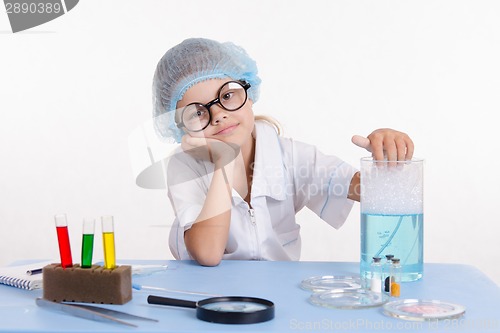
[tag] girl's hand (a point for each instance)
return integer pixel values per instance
(386, 143)
(215, 151)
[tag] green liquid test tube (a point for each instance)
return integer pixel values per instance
(87, 242)
(108, 239)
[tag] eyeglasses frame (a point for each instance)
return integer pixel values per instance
(208, 105)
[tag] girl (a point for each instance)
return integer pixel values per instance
(235, 184)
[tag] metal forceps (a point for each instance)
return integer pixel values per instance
(91, 312)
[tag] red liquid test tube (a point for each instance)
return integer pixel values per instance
(63, 239)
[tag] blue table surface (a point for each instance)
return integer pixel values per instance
(279, 282)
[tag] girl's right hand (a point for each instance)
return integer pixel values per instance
(207, 149)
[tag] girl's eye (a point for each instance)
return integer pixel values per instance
(227, 96)
(198, 113)
(195, 113)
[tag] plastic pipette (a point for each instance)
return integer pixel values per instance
(137, 286)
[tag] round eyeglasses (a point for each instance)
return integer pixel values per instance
(232, 96)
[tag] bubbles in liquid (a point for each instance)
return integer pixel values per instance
(391, 189)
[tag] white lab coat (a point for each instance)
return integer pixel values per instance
(288, 175)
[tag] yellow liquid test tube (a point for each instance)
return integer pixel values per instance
(108, 239)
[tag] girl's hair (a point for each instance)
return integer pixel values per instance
(270, 120)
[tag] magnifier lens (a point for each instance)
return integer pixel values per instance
(229, 306)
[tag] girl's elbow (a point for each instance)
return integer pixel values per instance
(208, 259)
(206, 253)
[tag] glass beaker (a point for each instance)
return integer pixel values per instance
(392, 217)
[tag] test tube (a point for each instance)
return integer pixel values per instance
(63, 240)
(87, 242)
(108, 239)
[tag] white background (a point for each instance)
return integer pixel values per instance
(74, 89)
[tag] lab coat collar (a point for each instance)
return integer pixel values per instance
(269, 174)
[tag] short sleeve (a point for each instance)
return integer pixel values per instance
(321, 183)
(176, 242)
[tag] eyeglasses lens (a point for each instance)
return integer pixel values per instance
(195, 117)
(232, 96)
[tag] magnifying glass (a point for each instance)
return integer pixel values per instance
(225, 309)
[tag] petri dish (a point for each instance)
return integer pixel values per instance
(420, 310)
(348, 299)
(331, 282)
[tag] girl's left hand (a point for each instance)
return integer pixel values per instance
(386, 143)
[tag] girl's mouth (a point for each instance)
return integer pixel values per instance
(227, 130)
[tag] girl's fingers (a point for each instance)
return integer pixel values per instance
(362, 142)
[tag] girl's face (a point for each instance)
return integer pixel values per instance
(227, 126)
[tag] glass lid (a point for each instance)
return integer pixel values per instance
(348, 299)
(331, 282)
(419, 310)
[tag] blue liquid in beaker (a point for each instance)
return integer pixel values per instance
(399, 235)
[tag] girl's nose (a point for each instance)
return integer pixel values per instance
(218, 113)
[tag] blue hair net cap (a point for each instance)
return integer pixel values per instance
(190, 62)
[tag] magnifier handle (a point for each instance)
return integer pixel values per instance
(171, 301)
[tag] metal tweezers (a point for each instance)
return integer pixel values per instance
(91, 312)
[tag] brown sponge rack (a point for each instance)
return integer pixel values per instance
(87, 285)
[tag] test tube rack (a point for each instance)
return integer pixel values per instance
(87, 285)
